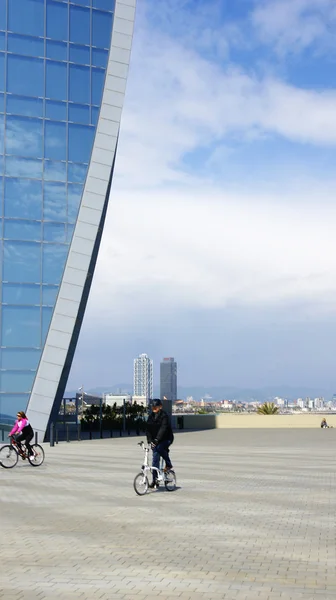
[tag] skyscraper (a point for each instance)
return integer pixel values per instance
(168, 379)
(143, 376)
(63, 70)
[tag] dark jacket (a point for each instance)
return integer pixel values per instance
(159, 428)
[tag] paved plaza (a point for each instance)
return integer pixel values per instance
(253, 518)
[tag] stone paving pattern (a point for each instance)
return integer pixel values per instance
(253, 518)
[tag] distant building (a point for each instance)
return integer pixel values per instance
(143, 376)
(168, 379)
(118, 399)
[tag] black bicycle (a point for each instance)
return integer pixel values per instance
(9, 454)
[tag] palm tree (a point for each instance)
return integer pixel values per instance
(268, 408)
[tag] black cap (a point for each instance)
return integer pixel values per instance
(156, 403)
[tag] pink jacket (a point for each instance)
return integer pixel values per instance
(19, 425)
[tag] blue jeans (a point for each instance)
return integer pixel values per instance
(161, 450)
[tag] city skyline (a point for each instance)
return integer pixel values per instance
(231, 127)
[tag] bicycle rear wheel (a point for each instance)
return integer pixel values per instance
(141, 484)
(38, 458)
(8, 457)
(170, 481)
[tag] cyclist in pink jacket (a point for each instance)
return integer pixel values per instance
(23, 432)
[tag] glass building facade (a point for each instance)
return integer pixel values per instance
(53, 63)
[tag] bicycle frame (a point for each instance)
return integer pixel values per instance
(146, 468)
(23, 453)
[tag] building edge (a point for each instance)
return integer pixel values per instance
(57, 355)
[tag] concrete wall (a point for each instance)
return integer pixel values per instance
(246, 421)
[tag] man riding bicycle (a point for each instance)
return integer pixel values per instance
(160, 436)
(23, 432)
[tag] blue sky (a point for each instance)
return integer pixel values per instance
(219, 247)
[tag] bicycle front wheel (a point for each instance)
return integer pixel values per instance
(8, 457)
(170, 481)
(141, 484)
(38, 458)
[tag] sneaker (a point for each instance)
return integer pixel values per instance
(167, 469)
(153, 485)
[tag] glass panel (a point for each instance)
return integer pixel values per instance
(2, 72)
(56, 80)
(54, 257)
(56, 110)
(23, 167)
(27, 18)
(94, 115)
(25, 76)
(79, 25)
(79, 54)
(49, 294)
(55, 202)
(55, 140)
(22, 230)
(56, 50)
(23, 198)
(10, 404)
(54, 232)
(21, 44)
(2, 102)
(17, 381)
(2, 39)
(15, 358)
(82, 2)
(3, 23)
(21, 326)
(57, 20)
(79, 113)
(74, 197)
(101, 29)
(77, 173)
(98, 78)
(29, 107)
(22, 262)
(104, 4)
(79, 84)
(24, 136)
(2, 162)
(99, 57)
(2, 133)
(20, 294)
(54, 171)
(70, 231)
(46, 318)
(80, 142)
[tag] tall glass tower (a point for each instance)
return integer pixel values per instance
(143, 377)
(63, 70)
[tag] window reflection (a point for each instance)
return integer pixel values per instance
(2, 102)
(99, 57)
(94, 115)
(11, 403)
(21, 326)
(22, 44)
(56, 80)
(24, 136)
(21, 105)
(22, 262)
(28, 18)
(21, 294)
(46, 319)
(98, 78)
(49, 294)
(80, 142)
(56, 50)
(70, 231)
(17, 229)
(24, 167)
(77, 173)
(79, 84)
(53, 262)
(104, 4)
(56, 110)
(54, 232)
(54, 171)
(79, 25)
(74, 197)
(25, 76)
(54, 206)
(79, 113)
(55, 140)
(79, 54)
(17, 381)
(57, 20)
(17, 358)
(3, 7)
(23, 198)
(101, 29)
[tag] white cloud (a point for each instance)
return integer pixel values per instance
(294, 25)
